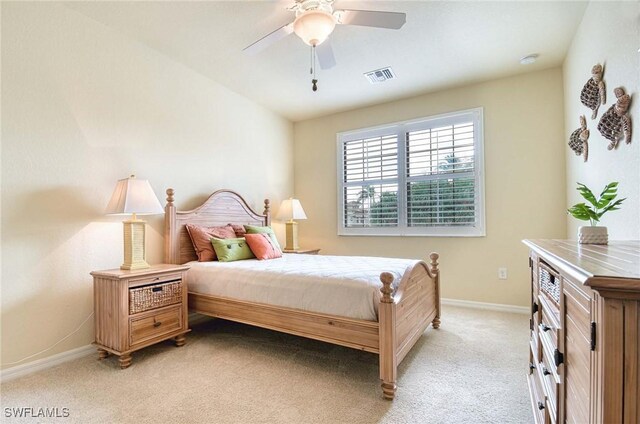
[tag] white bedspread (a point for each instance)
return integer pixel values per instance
(347, 286)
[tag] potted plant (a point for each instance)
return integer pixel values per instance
(592, 234)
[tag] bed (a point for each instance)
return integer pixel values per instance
(408, 302)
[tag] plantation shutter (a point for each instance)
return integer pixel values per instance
(440, 176)
(420, 177)
(370, 186)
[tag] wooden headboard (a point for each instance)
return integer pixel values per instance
(221, 208)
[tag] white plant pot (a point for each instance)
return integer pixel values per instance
(593, 235)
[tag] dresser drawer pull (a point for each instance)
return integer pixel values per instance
(545, 328)
(534, 308)
(558, 357)
(157, 324)
(545, 371)
(157, 289)
(532, 366)
(540, 405)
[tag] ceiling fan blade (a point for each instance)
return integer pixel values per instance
(326, 59)
(372, 18)
(269, 39)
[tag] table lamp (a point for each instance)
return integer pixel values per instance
(291, 209)
(135, 197)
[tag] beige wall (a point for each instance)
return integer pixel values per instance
(525, 183)
(609, 35)
(83, 106)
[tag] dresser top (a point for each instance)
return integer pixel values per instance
(595, 265)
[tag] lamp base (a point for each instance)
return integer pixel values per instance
(134, 245)
(292, 236)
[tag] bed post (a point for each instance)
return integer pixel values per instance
(435, 272)
(170, 239)
(387, 337)
(267, 212)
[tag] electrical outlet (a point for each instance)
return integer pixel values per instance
(502, 273)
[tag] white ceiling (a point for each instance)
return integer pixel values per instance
(443, 44)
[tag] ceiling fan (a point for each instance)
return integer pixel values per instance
(316, 19)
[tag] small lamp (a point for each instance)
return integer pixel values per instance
(291, 209)
(136, 197)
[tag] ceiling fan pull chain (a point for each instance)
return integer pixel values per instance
(314, 81)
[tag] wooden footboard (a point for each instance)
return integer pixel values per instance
(404, 314)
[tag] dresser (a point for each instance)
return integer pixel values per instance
(135, 309)
(584, 358)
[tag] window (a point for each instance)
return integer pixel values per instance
(422, 177)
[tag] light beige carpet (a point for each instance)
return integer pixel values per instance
(471, 370)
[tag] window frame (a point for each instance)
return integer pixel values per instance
(400, 129)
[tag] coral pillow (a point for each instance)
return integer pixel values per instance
(201, 239)
(254, 229)
(262, 246)
(239, 229)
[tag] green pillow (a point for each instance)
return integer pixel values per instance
(254, 229)
(232, 249)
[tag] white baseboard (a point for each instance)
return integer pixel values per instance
(488, 306)
(44, 363)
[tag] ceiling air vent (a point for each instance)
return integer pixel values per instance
(380, 75)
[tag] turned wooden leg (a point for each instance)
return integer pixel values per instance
(102, 354)
(387, 336)
(180, 340)
(125, 360)
(436, 322)
(389, 390)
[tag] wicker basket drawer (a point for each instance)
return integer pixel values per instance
(154, 296)
(549, 282)
(151, 326)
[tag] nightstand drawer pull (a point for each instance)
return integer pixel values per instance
(157, 324)
(156, 289)
(540, 405)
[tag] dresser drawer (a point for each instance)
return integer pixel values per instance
(156, 324)
(535, 338)
(550, 384)
(548, 328)
(538, 401)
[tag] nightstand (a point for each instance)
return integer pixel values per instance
(135, 309)
(303, 251)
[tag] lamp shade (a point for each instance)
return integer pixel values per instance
(291, 209)
(314, 26)
(133, 196)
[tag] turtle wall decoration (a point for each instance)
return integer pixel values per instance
(594, 93)
(615, 123)
(578, 139)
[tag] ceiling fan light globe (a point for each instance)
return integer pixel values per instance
(314, 26)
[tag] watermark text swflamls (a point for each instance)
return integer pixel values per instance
(31, 412)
